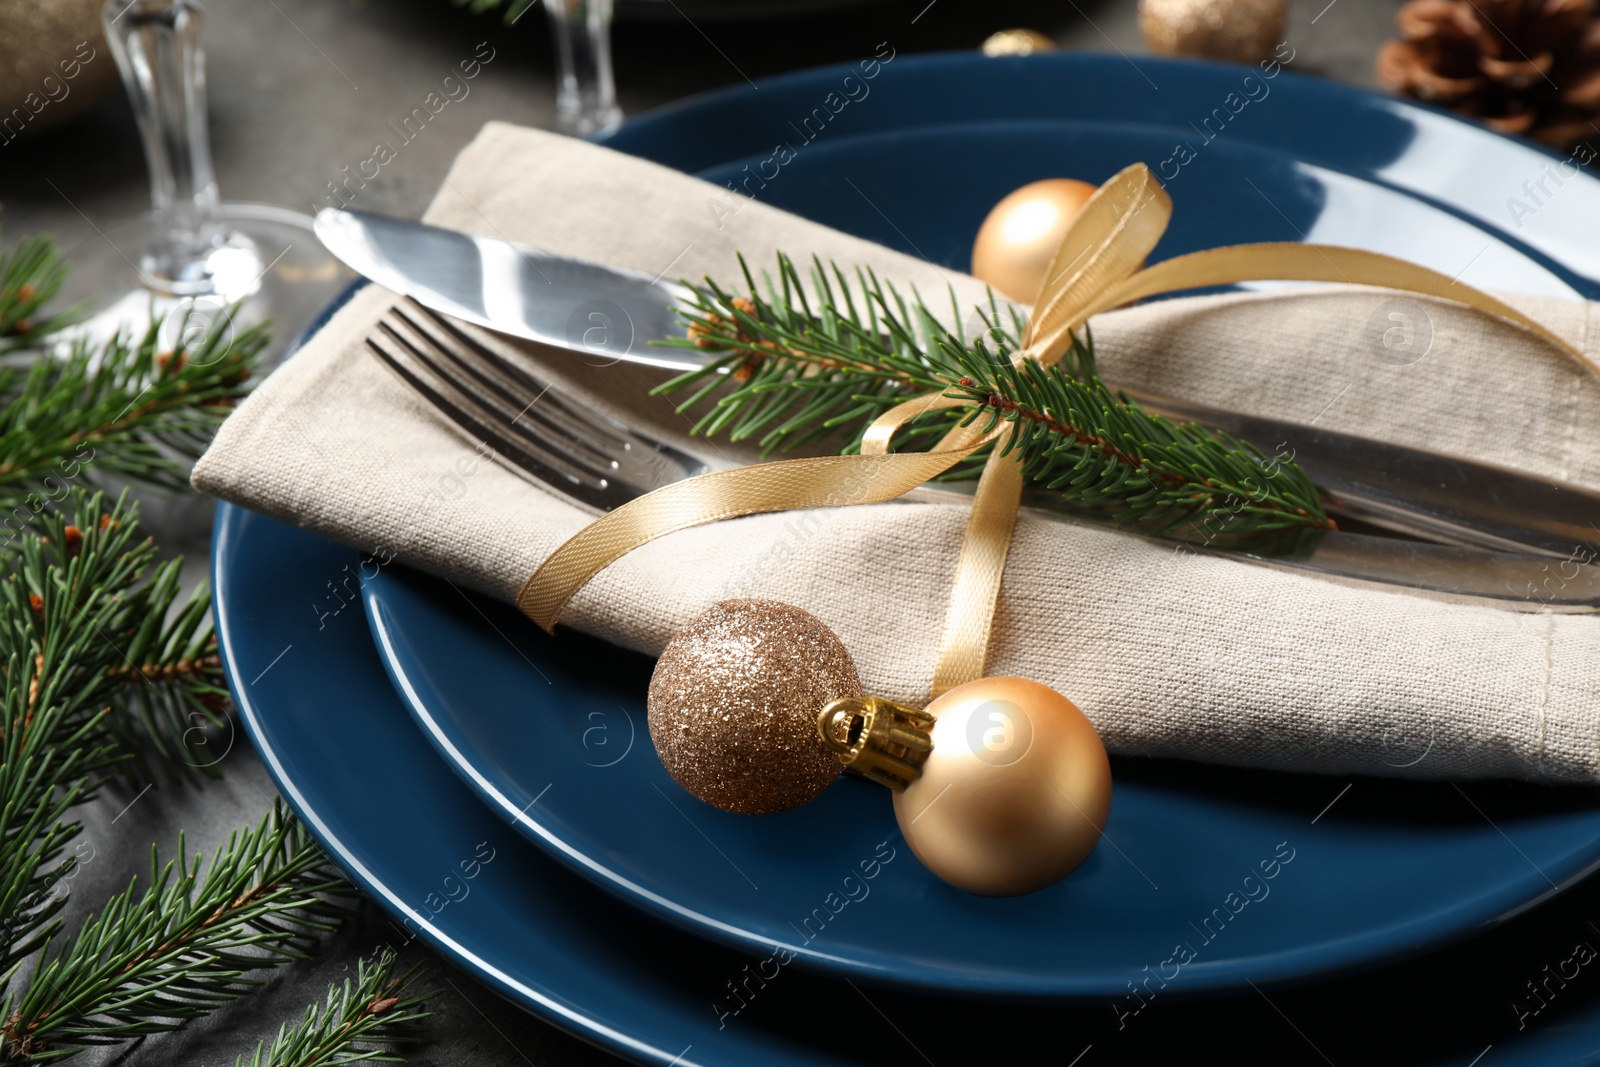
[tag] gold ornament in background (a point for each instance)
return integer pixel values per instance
(1001, 785)
(1241, 31)
(734, 702)
(1017, 43)
(54, 63)
(1021, 234)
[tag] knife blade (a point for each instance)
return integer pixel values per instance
(560, 301)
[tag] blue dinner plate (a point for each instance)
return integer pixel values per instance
(317, 705)
(1537, 202)
(543, 735)
(1233, 193)
(314, 700)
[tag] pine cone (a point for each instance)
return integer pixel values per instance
(1530, 67)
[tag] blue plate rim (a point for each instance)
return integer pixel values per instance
(1311, 88)
(348, 859)
(645, 121)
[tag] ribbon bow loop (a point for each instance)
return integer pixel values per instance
(1109, 240)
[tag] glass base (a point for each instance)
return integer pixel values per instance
(222, 262)
(265, 257)
(577, 116)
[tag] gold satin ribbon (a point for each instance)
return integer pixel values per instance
(1096, 268)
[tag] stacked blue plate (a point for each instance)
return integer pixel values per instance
(442, 734)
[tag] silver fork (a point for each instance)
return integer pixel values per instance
(577, 451)
(601, 463)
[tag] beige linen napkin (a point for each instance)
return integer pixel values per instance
(1170, 653)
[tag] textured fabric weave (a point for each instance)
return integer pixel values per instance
(1170, 652)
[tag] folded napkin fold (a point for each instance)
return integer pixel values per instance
(1169, 652)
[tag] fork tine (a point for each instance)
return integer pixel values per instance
(574, 450)
(501, 384)
(521, 381)
(421, 355)
(542, 465)
(555, 423)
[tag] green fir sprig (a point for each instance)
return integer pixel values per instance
(130, 406)
(370, 1020)
(99, 674)
(193, 938)
(805, 358)
(31, 275)
(108, 667)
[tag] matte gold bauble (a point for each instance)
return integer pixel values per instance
(1014, 793)
(1240, 31)
(734, 702)
(1020, 236)
(54, 63)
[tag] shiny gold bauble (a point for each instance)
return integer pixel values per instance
(734, 702)
(1019, 237)
(1016, 43)
(54, 63)
(1240, 31)
(1014, 794)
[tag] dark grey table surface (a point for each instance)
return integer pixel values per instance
(301, 88)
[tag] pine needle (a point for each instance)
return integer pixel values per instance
(368, 1021)
(31, 275)
(128, 406)
(189, 942)
(794, 367)
(97, 675)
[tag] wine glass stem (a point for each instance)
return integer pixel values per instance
(157, 48)
(586, 94)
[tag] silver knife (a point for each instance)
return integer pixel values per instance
(531, 294)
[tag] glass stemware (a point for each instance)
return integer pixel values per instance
(586, 92)
(193, 256)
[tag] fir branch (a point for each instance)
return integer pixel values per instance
(170, 695)
(54, 608)
(127, 406)
(369, 1021)
(192, 941)
(806, 358)
(797, 374)
(117, 635)
(1078, 438)
(94, 668)
(31, 275)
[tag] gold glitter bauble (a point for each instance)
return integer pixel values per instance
(1016, 43)
(734, 702)
(1241, 31)
(54, 63)
(1014, 793)
(1020, 236)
